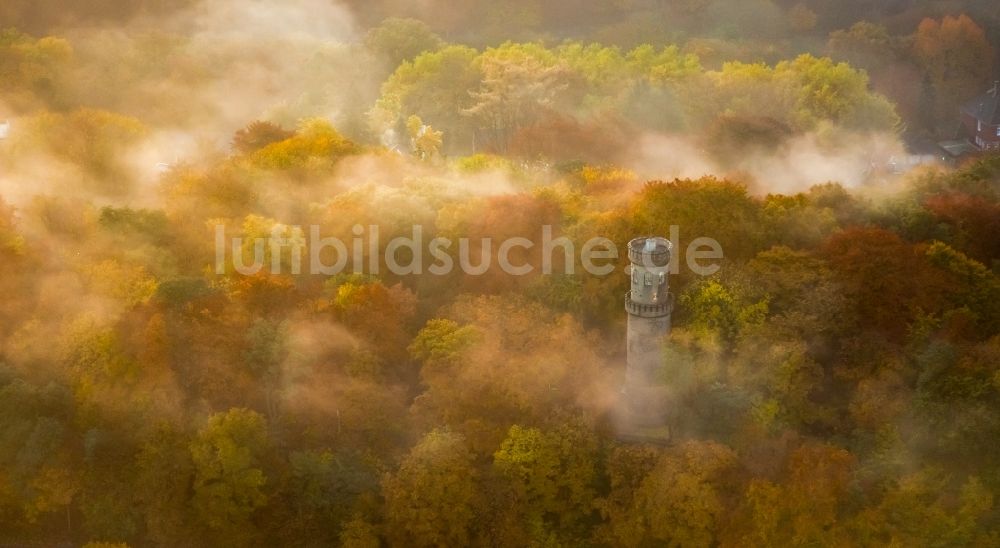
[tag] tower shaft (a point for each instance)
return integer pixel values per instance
(649, 304)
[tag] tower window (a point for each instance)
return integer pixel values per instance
(663, 278)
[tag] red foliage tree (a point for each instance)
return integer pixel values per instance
(887, 279)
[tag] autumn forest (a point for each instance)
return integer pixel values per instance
(832, 380)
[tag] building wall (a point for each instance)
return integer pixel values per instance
(983, 136)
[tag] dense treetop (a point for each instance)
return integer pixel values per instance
(836, 382)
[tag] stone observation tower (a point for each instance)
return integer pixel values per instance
(643, 410)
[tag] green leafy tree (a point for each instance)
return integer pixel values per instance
(434, 86)
(520, 82)
(662, 66)
(553, 477)
(913, 511)
(974, 286)
(431, 499)
(626, 467)
(836, 92)
(228, 481)
(358, 533)
(396, 40)
(721, 315)
(864, 44)
(682, 501)
(165, 473)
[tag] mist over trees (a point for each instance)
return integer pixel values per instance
(835, 382)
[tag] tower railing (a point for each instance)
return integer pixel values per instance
(658, 256)
(647, 310)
